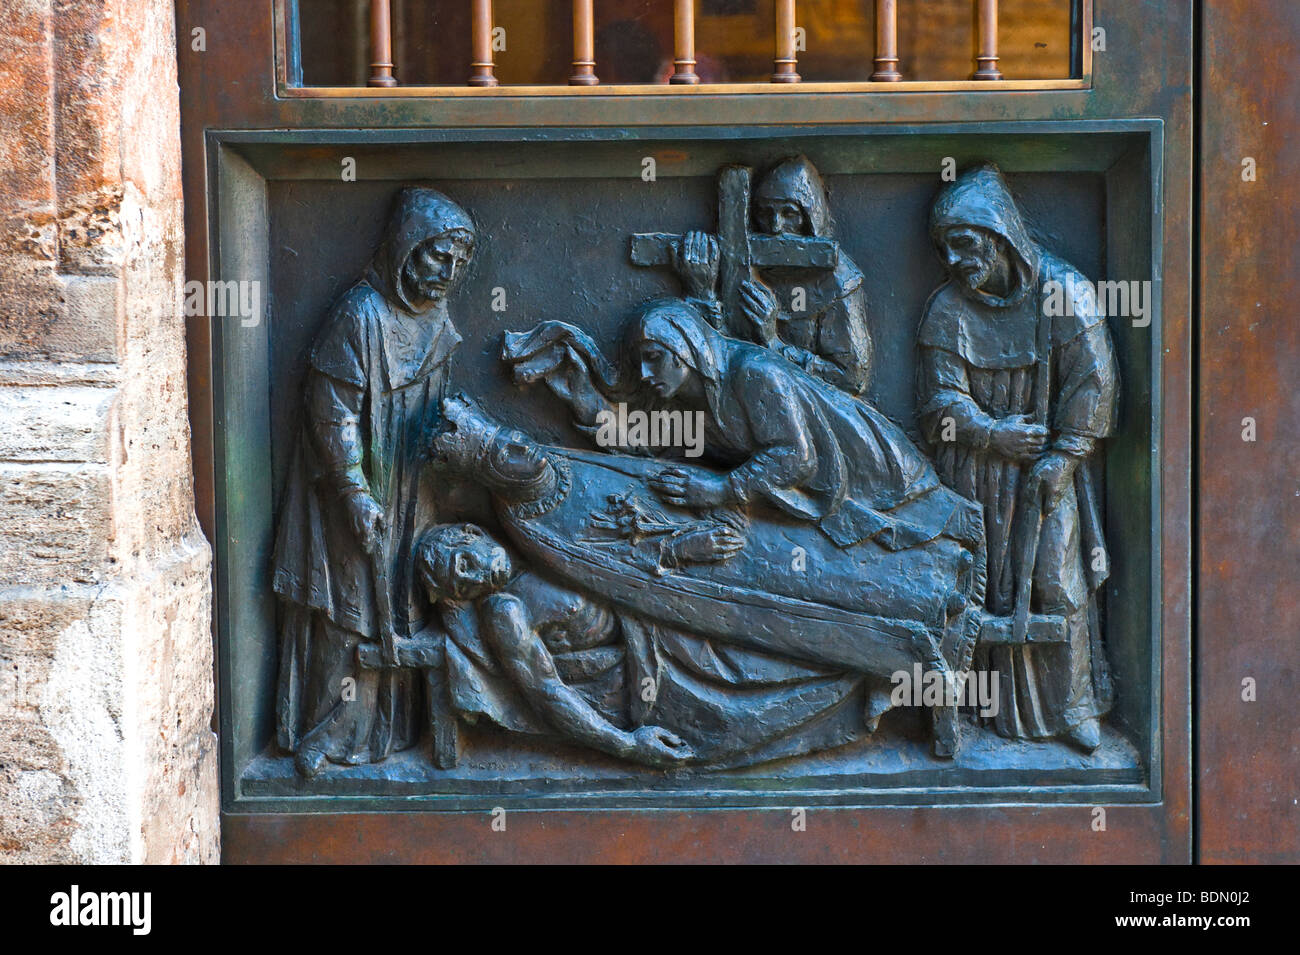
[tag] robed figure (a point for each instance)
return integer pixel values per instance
(359, 491)
(1015, 397)
(778, 440)
(820, 315)
(816, 318)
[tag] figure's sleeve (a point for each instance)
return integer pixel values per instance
(1088, 379)
(784, 456)
(711, 309)
(339, 351)
(844, 342)
(844, 347)
(334, 428)
(945, 393)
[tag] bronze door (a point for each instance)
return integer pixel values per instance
(504, 719)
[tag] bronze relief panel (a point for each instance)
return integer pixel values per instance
(774, 473)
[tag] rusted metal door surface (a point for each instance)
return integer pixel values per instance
(1248, 607)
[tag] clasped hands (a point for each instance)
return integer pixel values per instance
(1018, 438)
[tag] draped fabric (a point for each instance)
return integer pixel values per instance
(372, 395)
(822, 315)
(977, 365)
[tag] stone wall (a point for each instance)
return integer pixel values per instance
(106, 748)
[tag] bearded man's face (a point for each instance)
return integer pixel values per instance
(434, 268)
(780, 217)
(972, 255)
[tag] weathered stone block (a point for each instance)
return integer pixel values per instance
(108, 755)
(56, 522)
(106, 748)
(43, 424)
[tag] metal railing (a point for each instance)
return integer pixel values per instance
(785, 63)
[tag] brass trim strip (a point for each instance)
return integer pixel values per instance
(712, 89)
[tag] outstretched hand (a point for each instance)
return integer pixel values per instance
(658, 747)
(563, 370)
(694, 489)
(558, 366)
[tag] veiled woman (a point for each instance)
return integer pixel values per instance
(358, 492)
(782, 436)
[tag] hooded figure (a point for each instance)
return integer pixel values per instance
(821, 315)
(358, 493)
(780, 436)
(987, 344)
(786, 438)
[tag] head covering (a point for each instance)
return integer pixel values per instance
(419, 214)
(980, 198)
(671, 322)
(797, 180)
(678, 326)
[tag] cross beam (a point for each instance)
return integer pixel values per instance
(739, 250)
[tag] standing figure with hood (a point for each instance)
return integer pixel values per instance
(1014, 401)
(815, 318)
(359, 492)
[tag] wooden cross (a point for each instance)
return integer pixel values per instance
(740, 251)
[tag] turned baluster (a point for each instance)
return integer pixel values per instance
(986, 60)
(584, 45)
(381, 44)
(481, 63)
(886, 42)
(684, 43)
(785, 61)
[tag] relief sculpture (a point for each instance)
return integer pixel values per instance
(360, 491)
(1027, 396)
(745, 553)
(774, 274)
